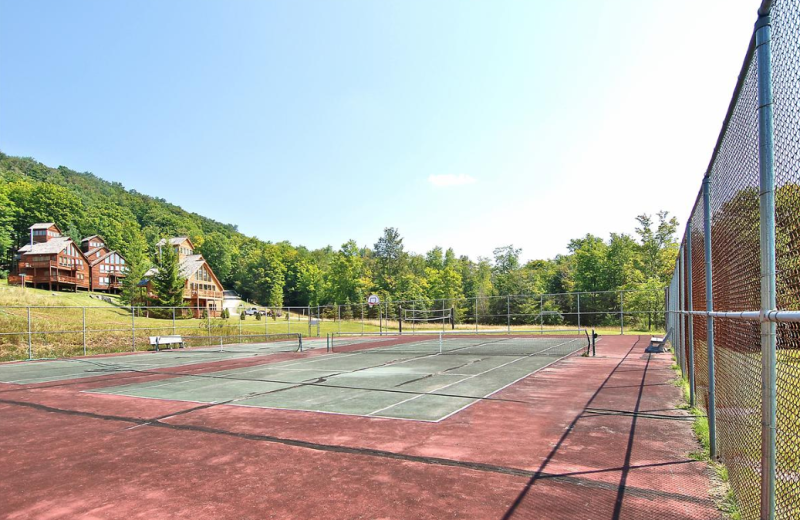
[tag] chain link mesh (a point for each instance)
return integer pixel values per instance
(786, 114)
(736, 276)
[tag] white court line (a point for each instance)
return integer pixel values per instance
(430, 392)
(503, 387)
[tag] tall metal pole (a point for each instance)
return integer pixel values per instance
(712, 406)
(84, 331)
(681, 307)
(768, 285)
(133, 328)
(690, 306)
(30, 336)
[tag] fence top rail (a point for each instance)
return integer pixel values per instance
(773, 316)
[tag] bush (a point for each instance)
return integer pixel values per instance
(242, 316)
(258, 316)
(205, 314)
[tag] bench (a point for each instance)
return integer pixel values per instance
(658, 344)
(166, 340)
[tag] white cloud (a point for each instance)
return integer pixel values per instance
(451, 179)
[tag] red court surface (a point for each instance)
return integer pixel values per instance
(585, 438)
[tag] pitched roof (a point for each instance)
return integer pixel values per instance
(51, 247)
(93, 251)
(42, 225)
(94, 262)
(174, 241)
(188, 266)
(91, 237)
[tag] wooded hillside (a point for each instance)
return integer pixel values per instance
(278, 274)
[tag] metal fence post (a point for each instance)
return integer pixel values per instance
(681, 308)
(173, 322)
(712, 407)
(133, 328)
(508, 312)
(579, 310)
(690, 306)
(541, 314)
(476, 314)
(84, 331)
(621, 313)
(30, 336)
(362, 319)
(768, 283)
(339, 317)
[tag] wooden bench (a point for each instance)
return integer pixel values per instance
(157, 341)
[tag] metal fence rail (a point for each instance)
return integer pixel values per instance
(735, 293)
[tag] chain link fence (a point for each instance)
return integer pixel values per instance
(61, 331)
(734, 301)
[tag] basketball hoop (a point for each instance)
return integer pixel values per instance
(373, 300)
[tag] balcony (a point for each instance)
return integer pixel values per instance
(47, 278)
(206, 294)
(45, 264)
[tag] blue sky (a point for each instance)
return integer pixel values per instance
(465, 124)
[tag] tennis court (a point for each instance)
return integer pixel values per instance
(424, 378)
(412, 426)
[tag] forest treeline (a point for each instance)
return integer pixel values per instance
(282, 274)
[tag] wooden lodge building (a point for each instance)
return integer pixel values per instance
(203, 289)
(52, 261)
(108, 268)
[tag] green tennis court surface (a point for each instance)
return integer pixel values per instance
(44, 371)
(411, 380)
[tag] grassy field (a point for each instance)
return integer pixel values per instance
(57, 325)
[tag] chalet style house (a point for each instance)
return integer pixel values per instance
(51, 261)
(108, 268)
(203, 289)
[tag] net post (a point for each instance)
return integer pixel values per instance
(300, 342)
(767, 255)
(440, 343)
(712, 407)
(453, 318)
(222, 345)
(594, 343)
(400, 320)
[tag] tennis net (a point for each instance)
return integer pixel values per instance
(240, 343)
(464, 344)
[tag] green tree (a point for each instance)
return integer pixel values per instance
(659, 246)
(218, 250)
(167, 281)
